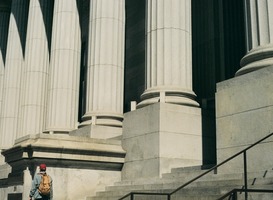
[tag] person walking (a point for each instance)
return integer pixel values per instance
(41, 188)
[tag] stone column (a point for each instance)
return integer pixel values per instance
(63, 94)
(35, 74)
(169, 53)
(4, 24)
(13, 72)
(105, 63)
(259, 34)
(166, 131)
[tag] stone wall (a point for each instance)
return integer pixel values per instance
(244, 115)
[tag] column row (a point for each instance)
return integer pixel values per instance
(40, 72)
(41, 78)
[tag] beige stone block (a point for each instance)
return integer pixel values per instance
(147, 119)
(159, 137)
(140, 169)
(5, 169)
(184, 120)
(244, 93)
(257, 158)
(252, 126)
(244, 116)
(142, 147)
(189, 146)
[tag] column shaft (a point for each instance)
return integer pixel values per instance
(169, 56)
(259, 34)
(35, 74)
(13, 72)
(4, 24)
(105, 63)
(64, 68)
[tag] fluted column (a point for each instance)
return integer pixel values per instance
(64, 68)
(35, 74)
(259, 34)
(13, 72)
(105, 63)
(169, 53)
(4, 24)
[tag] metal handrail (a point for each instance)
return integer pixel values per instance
(220, 164)
(145, 193)
(234, 191)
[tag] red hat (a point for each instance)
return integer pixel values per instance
(42, 167)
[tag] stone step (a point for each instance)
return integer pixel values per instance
(176, 184)
(190, 169)
(222, 179)
(211, 187)
(200, 186)
(198, 193)
(179, 176)
(255, 196)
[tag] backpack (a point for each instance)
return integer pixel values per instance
(44, 187)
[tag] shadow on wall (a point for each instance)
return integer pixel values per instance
(134, 79)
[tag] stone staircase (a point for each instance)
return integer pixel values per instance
(210, 187)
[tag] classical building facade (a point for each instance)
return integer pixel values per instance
(116, 90)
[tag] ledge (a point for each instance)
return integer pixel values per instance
(65, 151)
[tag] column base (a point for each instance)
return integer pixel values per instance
(168, 95)
(102, 119)
(98, 132)
(255, 59)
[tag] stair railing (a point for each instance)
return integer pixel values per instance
(245, 189)
(131, 195)
(233, 193)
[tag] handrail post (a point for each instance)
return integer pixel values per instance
(245, 175)
(132, 196)
(169, 197)
(235, 195)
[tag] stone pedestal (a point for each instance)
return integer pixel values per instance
(244, 113)
(160, 137)
(90, 164)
